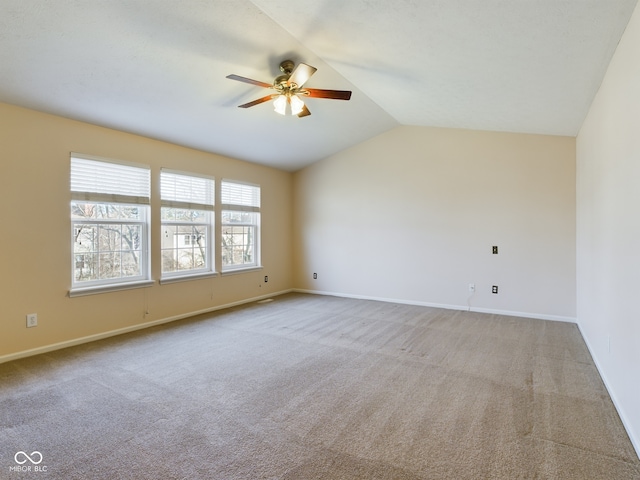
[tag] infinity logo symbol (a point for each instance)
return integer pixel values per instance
(27, 457)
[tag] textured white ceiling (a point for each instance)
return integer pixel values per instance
(157, 68)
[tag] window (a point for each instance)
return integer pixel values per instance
(189, 239)
(110, 222)
(240, 225)
(187, 218)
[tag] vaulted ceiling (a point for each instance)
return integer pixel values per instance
(157, 68)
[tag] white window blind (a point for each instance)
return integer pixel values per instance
(103, 181)
(186, 191)
(240, 196)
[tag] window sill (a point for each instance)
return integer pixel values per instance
(186, 278)
(241, 270)
(80, 292)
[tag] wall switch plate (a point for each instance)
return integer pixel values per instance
(32, 320)
(494, 289)
(315, 276)
(472, 287)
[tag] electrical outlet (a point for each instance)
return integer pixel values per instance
(494, 289)
(266, 278)
(315, 276)
(472, 287)
(495, 249)
(32, 320)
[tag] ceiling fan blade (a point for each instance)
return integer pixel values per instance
(258, 101)
(304, 113)
(249, 80)
(335, 94)
(301, 74)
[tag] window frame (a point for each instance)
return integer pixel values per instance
(205, 205)
(86, 190)
(242, 204)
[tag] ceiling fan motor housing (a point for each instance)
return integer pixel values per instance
(286, 67)
(281, 82)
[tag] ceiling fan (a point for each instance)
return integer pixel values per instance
(289, 89)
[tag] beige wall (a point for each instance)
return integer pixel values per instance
(412, 214)
(35, 245)
(608, 233)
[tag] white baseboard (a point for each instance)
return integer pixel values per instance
(635, 441)
(539, 316)
(133, 328)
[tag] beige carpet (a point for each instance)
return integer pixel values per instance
(312, 387)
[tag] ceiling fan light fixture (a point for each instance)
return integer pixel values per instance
(280, 104)
(288, 89)
(296, 104)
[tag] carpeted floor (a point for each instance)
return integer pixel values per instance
(313, 387)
